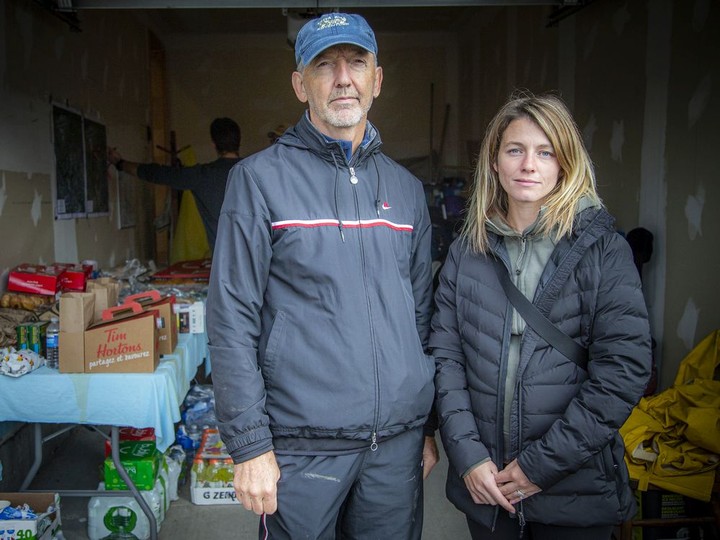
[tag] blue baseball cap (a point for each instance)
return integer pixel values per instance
(333, 29)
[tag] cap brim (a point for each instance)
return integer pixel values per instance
(335, 39)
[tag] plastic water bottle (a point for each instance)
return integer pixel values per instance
(52, 355)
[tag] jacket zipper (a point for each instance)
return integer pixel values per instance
(376, 420)
(519, 510)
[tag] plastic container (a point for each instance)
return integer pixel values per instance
(123, 515)
(52, 355)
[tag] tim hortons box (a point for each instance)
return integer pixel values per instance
(35, 279)
(125, 341)
(168, 331)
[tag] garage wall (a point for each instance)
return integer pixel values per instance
(101, 72)
(641, 78)
(642, 81)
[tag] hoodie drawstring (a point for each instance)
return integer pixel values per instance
(337, 208)
(377, 188)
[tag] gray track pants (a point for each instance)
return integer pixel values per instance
(366, 495)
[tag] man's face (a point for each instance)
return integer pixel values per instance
(339, 86)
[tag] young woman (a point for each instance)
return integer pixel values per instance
(532, 435)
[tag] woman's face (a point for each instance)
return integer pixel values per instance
(526, 165)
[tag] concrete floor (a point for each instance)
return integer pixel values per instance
(78, 465)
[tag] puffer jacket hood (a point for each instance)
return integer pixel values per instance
(317, 338)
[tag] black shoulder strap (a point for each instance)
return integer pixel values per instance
(545, 329)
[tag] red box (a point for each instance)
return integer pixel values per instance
(131, 435)
(137, 434)
(35, 279)
(195, 270)
(74, 277)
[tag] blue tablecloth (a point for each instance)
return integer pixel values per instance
(117, 399)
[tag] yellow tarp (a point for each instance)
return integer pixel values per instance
(672, 439)
(190, 240)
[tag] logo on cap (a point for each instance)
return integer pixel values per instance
(332, 21)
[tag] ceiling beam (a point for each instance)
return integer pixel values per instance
(302, 4)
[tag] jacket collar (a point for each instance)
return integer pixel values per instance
(305, 135)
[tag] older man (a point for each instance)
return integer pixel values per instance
(318, 311)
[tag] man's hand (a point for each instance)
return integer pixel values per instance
(430, 456)
(255, 483)
(484, 489)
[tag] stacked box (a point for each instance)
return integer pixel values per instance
(125, 341)
(211, 476)
(46, 526)
(168, 331)
(190, 318)
(35, 279)
(140, 459)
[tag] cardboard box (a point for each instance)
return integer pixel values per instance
(142, 464)
(47, 524)
(73, 278)
(168, 330)
(137, 434)
(71, 346)
(190, 318)
(185, 271)
(210, 495)
(130, 448)
(35, 279)
(106, 291)
(77, 310)
(125, 341)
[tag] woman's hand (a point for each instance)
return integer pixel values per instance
(484, 488)
(514, 485)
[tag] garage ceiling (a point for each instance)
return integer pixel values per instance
(259, 16)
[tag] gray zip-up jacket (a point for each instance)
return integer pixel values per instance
(564, 420)
(319, 303)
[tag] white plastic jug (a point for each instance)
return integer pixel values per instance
(107, 515)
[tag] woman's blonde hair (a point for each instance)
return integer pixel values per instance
(576, 178)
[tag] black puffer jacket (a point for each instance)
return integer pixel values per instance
(564, 419)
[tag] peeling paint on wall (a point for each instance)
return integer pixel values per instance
(699, 100)
(3, 193)
(688, 324)
(36, 207)
(693, 212)
(617, 140)
(589, 132)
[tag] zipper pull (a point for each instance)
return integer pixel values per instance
(521, 521)
(353, 178)
(374, 444)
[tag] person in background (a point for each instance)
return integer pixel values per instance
(531, 435)
(318, 311)
(206, 181)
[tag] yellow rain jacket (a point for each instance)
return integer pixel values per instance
(672, 439)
